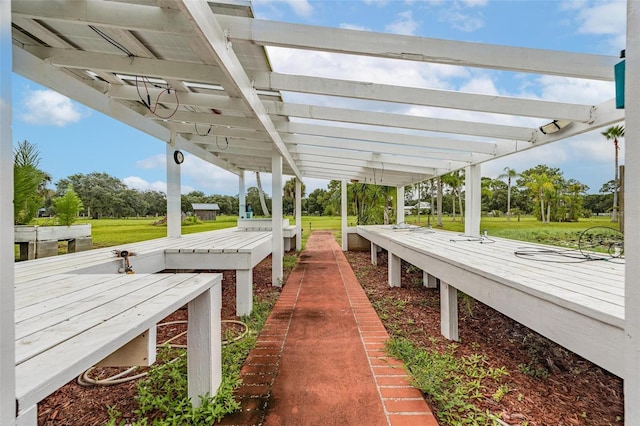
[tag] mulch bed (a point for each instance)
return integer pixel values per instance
(576, 392)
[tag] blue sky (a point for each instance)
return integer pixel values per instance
(74, 139)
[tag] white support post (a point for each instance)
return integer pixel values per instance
(242, 197)
(473, 200)
(244, 292)
(174, 209)
(204, 344)
(298, 214)
(632, 217)
(449, 311)
(374, 254)
(343, 216)
(7, 298)
(277, 255)
(428, 280)
(395, 270)
(400, 205)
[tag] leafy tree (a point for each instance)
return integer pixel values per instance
(99, 192)
(317, 202)
(614, 133)
(254, 199)
(289, 196)
(67, 207)
(156, 203)
(508, 174)
(29, 183)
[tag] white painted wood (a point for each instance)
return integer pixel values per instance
(82, 344)
(298, 215)
(28, 418)
(344, 231)
(174, 210)
(426, 97)
(419, 49)
(208, 29)
(473, 200)
(400, 204)
(499, 131)
(579, 306)
(449, 311)
(428, 280)
(204, 341)
(7, 360)
(632, 219)
(141, 351)
(242, 196)
(394, 270)
(277, 255)
(374, 254)
(244, 292)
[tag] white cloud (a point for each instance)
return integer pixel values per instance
(604, 18)
(462, 21)
(574, 90)
(301, 7)
(153, 162)
(474, 3)
(136, 182)
(403, 24)
(46, 107)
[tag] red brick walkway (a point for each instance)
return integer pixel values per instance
(320, 357)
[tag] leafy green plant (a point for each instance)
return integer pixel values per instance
(454, 383)
(162, 396)
(67, 207)
(28, 183)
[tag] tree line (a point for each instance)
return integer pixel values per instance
(541, 191)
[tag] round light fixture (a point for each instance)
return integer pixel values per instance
(178, 157)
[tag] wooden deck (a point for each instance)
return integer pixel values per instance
(223, 249)
(578, 304)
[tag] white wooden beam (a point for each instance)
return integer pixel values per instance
(473, 200)
(422, 49)
(122, 64)
(277, 254)
(174, 209)
(106, 14)
(400, 204)
(343, 215)
(47, 75)
(383, 166)
(449, 311)
(394, 270)
(242, 197)
(208, 30)
(489, 147)
(7, 297)
(204, 341)
(632, 218)
(298, 214)
(425, 97)
(383, 119)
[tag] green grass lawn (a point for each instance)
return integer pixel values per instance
(113, 232)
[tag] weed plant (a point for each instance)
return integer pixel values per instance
(454, 383)
(162, 396)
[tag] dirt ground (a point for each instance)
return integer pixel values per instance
(575, 392)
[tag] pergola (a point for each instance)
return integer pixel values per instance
(196, 75)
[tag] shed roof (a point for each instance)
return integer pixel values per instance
(205, 206)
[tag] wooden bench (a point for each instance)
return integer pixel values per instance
(578, 305)
(67, 323)
(222, 249)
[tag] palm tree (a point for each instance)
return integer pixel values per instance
(614, 133)
(263, 202)
(508, 174)
(542, 187)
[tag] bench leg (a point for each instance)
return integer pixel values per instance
(374, 254)
(204, 345)
(428, 280)
(244, 292)
(28, 417)
(395, 270)
(448, 311)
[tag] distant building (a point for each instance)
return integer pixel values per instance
(205, 211)
(424, 206)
